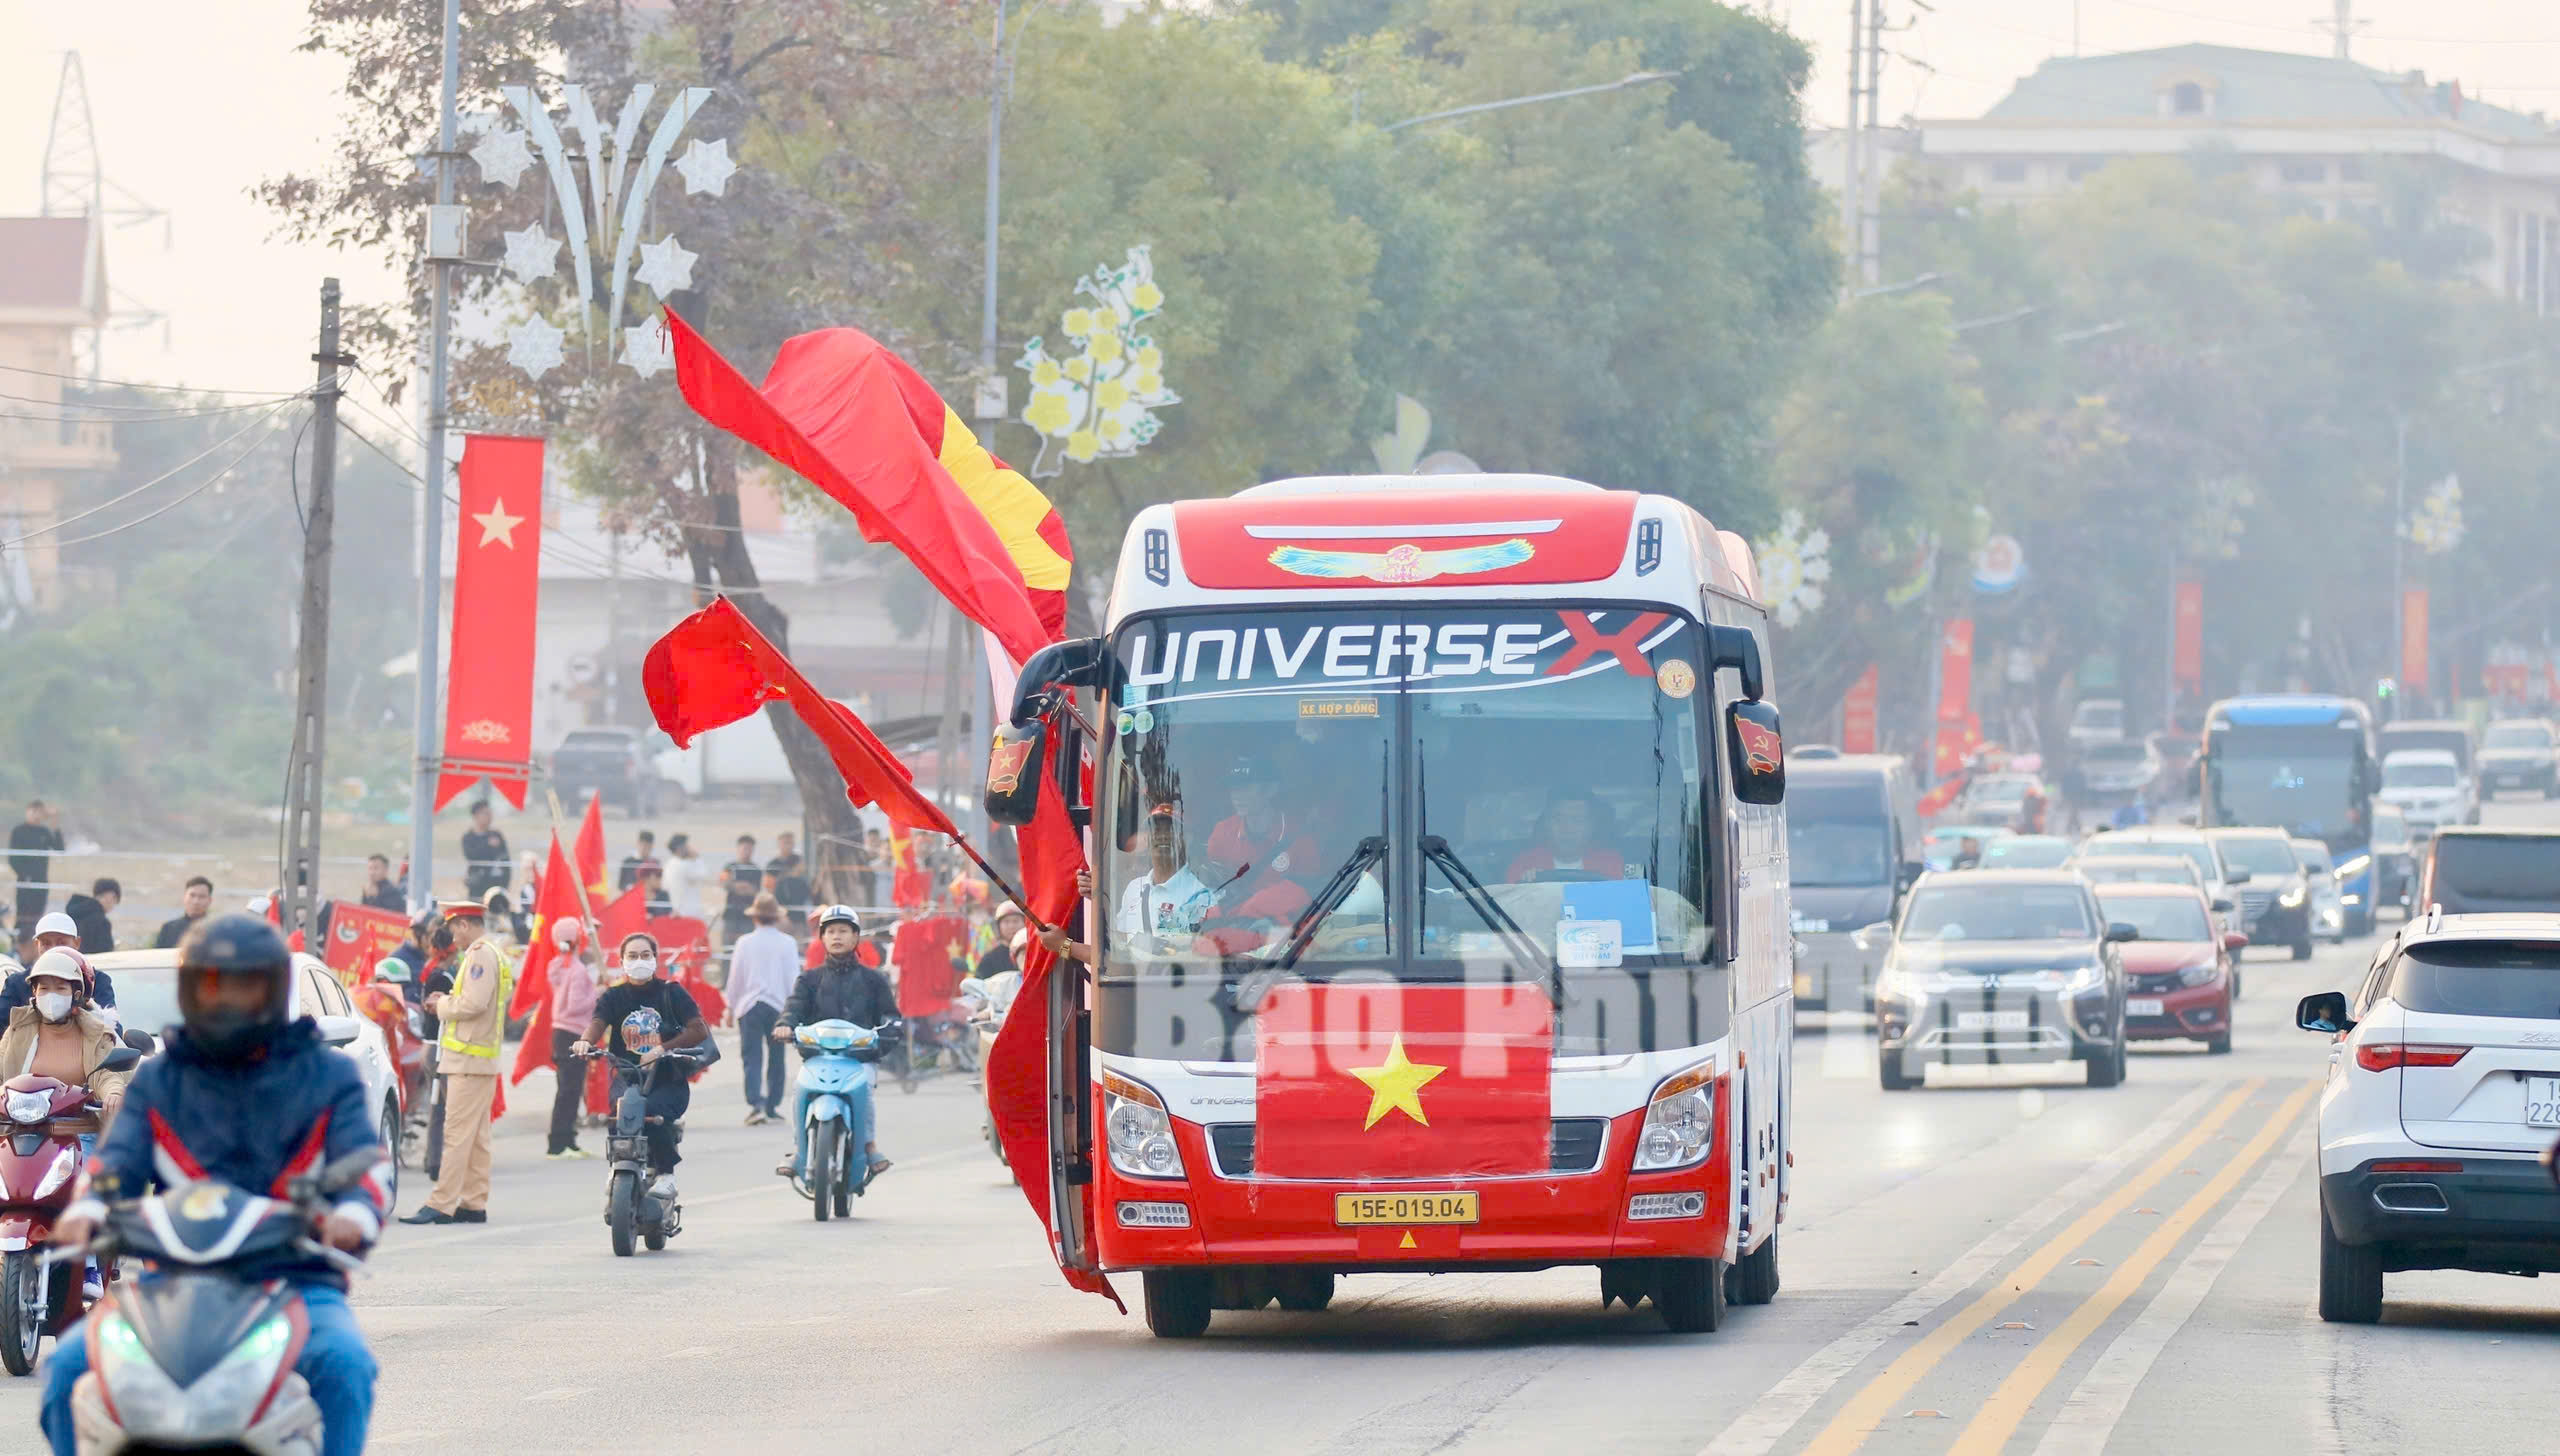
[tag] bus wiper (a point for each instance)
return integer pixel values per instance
(1436, 849)
(1302, 932)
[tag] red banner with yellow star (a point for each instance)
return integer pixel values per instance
(497, 547)
(1372, 1080)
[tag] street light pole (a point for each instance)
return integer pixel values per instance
(2399, 551)
(427, 735)
(990, 402)
(1638, 78)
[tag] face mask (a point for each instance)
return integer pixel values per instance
(640, 968)
(54, 1005)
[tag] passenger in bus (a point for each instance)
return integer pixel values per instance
(1565, 851)
(1168, 900)
(1260, 839)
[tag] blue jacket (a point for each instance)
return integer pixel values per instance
(294, 1107)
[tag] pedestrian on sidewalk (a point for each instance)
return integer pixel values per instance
(573, 1005)
(762, 968)
(474, 1017)
(32, 845)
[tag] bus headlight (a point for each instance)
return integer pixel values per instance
(1680, 1121)
(1138, 1131)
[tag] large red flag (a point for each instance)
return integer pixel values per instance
(488, 721)
(684, 949)
(909, 884)
(555, 900)
(833, 411)
(621, 916)
(589, 853)
(1378, 1081)
(714, 668)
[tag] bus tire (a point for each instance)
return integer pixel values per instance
(1755, 1275)
(1177, 1303)
(1690, 1294)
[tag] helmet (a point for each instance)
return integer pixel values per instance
(642, 1031)
(838, 915)
(58, 923)
(65, 964)
(391, 969)
(229, 946)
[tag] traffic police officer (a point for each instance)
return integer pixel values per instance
(474, 1015)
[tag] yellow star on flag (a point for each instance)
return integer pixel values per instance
(496, 525)
(1396, 1085)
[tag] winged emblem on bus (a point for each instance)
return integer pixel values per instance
(1405, 563)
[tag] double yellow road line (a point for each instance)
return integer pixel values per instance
(2000, 1416)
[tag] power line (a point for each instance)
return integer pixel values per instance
(85, 382)
(159, 479)
(132, 413)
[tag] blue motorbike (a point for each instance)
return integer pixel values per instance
(835, 1110)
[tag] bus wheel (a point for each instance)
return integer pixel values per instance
(1177, 1303)
(1754, 1279)
(1690, 1294)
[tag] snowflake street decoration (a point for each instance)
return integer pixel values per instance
(1101, 402)
(532, 254)
(502, 156)
(1793, 565)
(534, 346)
(666, 266)
(2436, 526)
(646, 347)
(706, 167)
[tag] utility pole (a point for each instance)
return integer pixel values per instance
(2341, 26)
(1853, 174)
(311, 685)
(428, 736)
(1870, 168)
(2399, 557)
(991, 402)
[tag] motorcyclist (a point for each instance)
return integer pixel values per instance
(839, 988)
(673, 1022)
(244, 1096)
(55, 1036)
(57, 931)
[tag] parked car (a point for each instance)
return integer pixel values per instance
(2275, 893)
(2002, 966)
(2451, 735)
(2520, 753)
(2178, 972)
(2095, 721)
(2429, 786)
(2328, 902)
(619, 764)
(2443, 1093)
(2476, 870)
(147, 1001)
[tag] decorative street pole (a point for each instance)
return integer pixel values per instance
(444, 248)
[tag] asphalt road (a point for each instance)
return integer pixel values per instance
(1999, 1262)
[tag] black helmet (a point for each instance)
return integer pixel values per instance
(227, 946)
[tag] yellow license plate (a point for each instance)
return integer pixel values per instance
(1804, 984)
(1367, 1208)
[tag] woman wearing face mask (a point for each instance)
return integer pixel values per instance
(637, 988)
(55, 1036)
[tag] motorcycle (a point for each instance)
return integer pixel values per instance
(637, 1207)
(837, 1070)
(989, 1000)
(39, 1162)
(200, 1355)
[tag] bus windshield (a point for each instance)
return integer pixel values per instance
(2304, 778)
(1422, 791)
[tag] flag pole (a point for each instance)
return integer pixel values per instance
(586, 906)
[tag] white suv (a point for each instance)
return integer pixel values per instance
(2443, 1093)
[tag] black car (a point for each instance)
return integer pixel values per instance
(615, 763)
(2273, 889)
(2472, 869)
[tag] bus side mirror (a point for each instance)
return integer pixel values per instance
(1758, 751)
(1014, 765)
(1736, 648)
(1079, 663)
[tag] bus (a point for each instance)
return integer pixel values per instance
(2303, 763)
(1440, 902)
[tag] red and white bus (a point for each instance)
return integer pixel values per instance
(1440, 906)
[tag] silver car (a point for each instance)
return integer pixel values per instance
(2001, 966)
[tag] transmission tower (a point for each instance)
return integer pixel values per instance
(76, 185)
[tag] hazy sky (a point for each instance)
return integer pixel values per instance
(197, 99)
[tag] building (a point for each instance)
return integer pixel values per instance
(2315, 128)
(53, 284)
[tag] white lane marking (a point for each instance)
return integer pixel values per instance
(2089, 1417)
(1759, 1429)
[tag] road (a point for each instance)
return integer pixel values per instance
(1999, 1262)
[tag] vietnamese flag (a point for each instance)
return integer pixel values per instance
(555, 902)
(589, 854)
(359, 937)
(835, 410)
(684, 947)
(1385, 1081)
(714, 668)
(909, 885)
(488, 725)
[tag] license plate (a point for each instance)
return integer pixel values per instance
(1991, 1021)
(2542, 1101)
(1804, 984)
(1365, 1208)
(2144, 1006)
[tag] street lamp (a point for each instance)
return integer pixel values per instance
(1637, 78)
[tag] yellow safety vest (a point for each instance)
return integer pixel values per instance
(452, 1042)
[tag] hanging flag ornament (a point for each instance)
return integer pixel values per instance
(532, 254)
(1793, 565)
(602, 185)
(534, 346)
(2436, 526)
(1101, 402)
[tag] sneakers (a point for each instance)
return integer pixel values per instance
(756, 1117)
(92, 1289)
(787, 1168)
(571, 1153)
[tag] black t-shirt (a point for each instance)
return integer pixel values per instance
(745, 880)
(173, 931)
(673, 1003)
(484, 861)
(389, 897)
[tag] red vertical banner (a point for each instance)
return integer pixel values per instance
(1858, 714)
(1955, 694)
(2189, 665)
(2413, 640)
(488, 723)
